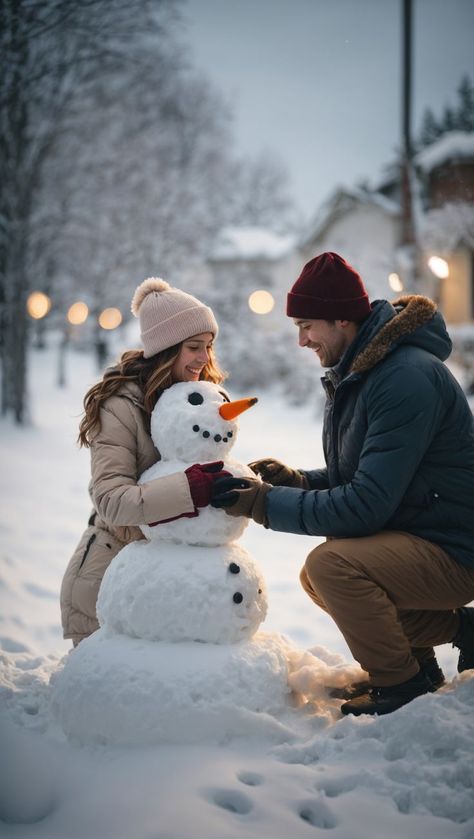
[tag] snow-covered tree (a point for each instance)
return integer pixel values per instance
(48, 52)
(465, 114)
(459, 117)
(430, 129)
(261, 196)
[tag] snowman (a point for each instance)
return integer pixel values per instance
(178, 656)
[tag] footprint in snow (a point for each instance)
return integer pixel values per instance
(231, 800)
(250, 779)
(316, 813)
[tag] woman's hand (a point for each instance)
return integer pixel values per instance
(201, 477)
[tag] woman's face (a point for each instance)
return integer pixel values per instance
(193, 357)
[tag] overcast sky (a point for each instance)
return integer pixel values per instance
(318, 81)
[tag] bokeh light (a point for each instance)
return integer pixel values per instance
(439, 267)
(395, 282)
(78, 313)
(110, 318)
(261, 302)
(38, 305)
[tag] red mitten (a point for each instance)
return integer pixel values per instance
(201, 477)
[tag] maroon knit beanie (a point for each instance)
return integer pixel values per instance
(328, 288)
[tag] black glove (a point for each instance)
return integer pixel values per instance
(276, 473)
(241, 497)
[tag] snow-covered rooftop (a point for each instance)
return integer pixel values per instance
(456, 144)
(250, 243)
(342, 199)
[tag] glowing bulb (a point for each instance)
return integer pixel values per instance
(38, 305)
(261, 302)
(78, 313)
(110, 318)
(395, 282)
(439, 267)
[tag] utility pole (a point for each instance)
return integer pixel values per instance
(407, 225)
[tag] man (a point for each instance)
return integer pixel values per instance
(396, 499)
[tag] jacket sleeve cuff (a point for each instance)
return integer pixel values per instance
(166, 498)
(284, 507)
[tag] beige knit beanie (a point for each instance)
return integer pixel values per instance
(168, 316)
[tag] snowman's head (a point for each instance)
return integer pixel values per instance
(189, 422)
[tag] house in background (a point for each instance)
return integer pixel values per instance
(247, 260)
(445, 172)
(361, 225)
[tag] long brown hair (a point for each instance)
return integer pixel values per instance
(152, 375)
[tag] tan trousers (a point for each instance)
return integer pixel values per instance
(393, 597)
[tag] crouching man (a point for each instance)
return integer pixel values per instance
(395, 500)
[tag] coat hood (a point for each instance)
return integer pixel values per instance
(411, 319)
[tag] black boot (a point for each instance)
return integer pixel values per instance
(430, 668)
(464, 640)
(387, 699)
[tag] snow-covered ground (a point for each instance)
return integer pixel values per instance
(409, 774)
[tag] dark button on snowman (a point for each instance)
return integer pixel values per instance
(177, 657)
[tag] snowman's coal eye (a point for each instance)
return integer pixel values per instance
(234, 568)
(238, 597)
(196, 398)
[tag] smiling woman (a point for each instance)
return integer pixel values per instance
(177, 333)
(192, 358)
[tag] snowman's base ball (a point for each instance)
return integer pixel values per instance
(126, 691)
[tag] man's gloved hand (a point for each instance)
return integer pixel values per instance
(241, 497)
(276, 473)
(201, 477)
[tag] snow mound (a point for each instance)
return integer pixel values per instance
(420, 757)
(124, 691)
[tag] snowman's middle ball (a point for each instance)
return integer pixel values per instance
(178, 593)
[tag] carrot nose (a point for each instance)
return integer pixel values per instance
(231, 410)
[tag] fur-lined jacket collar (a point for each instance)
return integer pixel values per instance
(411, 319)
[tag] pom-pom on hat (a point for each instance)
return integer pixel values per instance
(328, 288)
(168, 316)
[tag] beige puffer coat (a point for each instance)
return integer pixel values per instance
(120, 452)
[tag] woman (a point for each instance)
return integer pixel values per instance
(177, 333)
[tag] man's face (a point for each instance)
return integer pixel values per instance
(328, 339)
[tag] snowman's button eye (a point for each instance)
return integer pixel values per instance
(234, 568)
(238, 597)
(195, 428)
(196, 398)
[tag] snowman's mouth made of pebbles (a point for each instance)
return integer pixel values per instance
(218, 438)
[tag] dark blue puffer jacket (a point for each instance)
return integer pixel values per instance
(398, 439)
